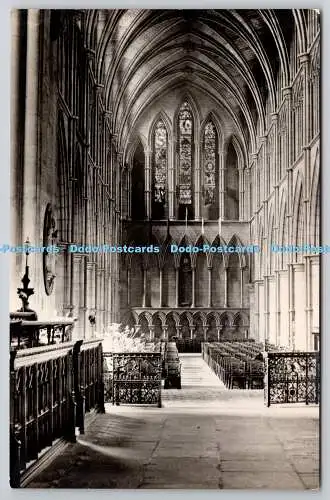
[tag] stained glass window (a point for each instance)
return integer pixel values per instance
(185, 154)
(209, 161)
(160, 164)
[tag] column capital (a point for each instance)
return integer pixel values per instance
(90, 53)
(90, 265)
(99, 87)
(287, 91)
(304, 57)
(253, 157)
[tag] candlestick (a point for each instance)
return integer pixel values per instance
(202, 225)
(219, 226)
(27, 243)
(186, 219)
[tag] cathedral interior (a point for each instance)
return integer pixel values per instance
(172, 159)
(169, 127)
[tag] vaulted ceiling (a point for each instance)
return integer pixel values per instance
(233, 56)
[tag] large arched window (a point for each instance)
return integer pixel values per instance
(159, 171)
(210, 172)
(185, 163)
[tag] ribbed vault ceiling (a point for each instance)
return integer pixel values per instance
(231, 55)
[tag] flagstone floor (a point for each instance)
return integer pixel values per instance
(203, 437)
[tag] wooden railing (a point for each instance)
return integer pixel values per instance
(51, 389)
(25, 333)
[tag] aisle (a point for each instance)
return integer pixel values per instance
(204, 437)
(201, 387)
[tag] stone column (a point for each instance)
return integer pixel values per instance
(257, 311)
(205, 332)
(277, 309)
(16, 187)
(210, 287)
(304, 60)
(161, 287)
(197, 181)
(31, 158)
(226, 287)
(15, 128)
(291, 306)
(165, 332)
(221, 186)
(242, 286)
(172, 183)
(192, 330)
(177, 284)
(247, 193)
(90, 282)
(148, 183)
(129, 195)
(274, 165)
(241, 194)
(253, 170)
(266, 307)
(145, 288)
(219, 332)
(128, 286)
(151, 332)
(288, 150)
(76, 289)
(193, 286)
(308, 303)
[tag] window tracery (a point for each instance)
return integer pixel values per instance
(160, 166)
(185, 170)
(209, 151)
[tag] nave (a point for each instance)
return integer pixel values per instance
(204, 437)
(148, 129)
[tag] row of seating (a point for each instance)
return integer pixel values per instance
(171, 368)
(237, 364)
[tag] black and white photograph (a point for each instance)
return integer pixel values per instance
(165, 249)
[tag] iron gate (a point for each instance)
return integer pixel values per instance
(132, 378)
(292, 377)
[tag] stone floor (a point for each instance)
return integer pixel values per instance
(204, 437)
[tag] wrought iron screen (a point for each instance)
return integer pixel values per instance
(136, 379)
(292, 377)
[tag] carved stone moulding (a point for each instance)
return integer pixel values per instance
(49, 255)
